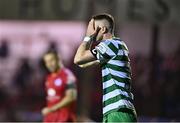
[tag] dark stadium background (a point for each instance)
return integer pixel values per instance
(28, 28)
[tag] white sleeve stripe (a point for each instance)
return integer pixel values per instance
(71, 78)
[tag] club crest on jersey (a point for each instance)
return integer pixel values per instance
(58, 82)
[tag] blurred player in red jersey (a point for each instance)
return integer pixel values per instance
(61, 91)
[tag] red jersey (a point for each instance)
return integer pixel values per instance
(56, 85)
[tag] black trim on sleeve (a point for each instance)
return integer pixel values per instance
(71, 86)
(94, 52)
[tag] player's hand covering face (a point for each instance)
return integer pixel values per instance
(92, 30)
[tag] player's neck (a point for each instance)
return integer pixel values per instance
(108, 36)
(58, 69)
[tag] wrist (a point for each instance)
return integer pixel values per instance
(87, 39)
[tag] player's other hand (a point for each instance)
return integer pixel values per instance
(91, 30)
(45, 111)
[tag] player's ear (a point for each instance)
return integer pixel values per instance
(104, 30)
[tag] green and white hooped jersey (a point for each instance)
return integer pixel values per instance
(116, 75)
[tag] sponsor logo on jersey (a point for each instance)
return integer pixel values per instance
(51, 92)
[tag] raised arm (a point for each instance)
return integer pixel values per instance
(83, 54)
(89, 64)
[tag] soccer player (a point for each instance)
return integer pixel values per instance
(112, 55)
(61, 91)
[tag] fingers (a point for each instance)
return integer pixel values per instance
(91, 22)
(90, 28)
(98, 29)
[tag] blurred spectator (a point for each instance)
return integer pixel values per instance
(3, 94)
(23, 75)
(4, 49)
(53, 46)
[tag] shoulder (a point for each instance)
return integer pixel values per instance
(68, 71)
(109, 45)
(70, 75)
(110, 42)
(105, 44)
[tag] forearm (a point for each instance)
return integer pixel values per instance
(83, 54)
(84, 46)
(89, 64)
(64, 102)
